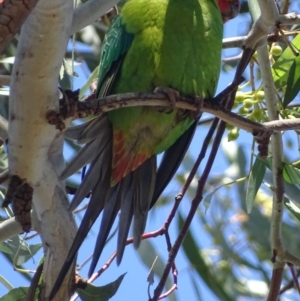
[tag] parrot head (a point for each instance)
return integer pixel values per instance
(229, 9)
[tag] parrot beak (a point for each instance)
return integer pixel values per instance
(230, 10)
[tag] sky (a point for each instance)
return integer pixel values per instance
(134, 286)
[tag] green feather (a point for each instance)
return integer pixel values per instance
(116, 43)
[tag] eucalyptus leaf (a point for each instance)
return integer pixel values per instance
(256, 177)
(100, 293)
(88, 83)
(293, 82)
(204, 271)
(16, 294)
(292, 207)
(291, 174)
(282, 66)
(149, 255)
(20, 251)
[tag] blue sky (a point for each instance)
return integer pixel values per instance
(134, 286)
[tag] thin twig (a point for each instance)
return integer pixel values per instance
(275, 282)
(289, 285)
(34, 283)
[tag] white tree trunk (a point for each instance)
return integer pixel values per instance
(35, 147)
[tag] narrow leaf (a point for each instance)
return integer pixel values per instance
(283, 64)
(292, 207)
(293, 82)
(100, 293)
(193, 253)
(5, 249)
(291, 174)
(88, 83)
(148, 255)
(150, 277)
(16, 294)
(69, 64)
(256, 176)
(20, 252)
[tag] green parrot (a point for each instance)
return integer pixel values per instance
(171, 44)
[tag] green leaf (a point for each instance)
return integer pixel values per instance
(100, 293)
(193, 253)
(291, 174)
(282, 66)
(196, 287)
(88, 83)
(293, 82)
(20, 251)
(150, 277)
(207, 199)
(27, 253)
(149, 255)
(256, 176)
(292, 207)
(5, 249)
(16, 294)
(68, 65)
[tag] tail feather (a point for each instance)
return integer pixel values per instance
(94, 129)
(111, 208)
(97, 179)
(171, 161)
(74, 132)
(92, 148)
(125, 216)
(99, 170)
(93, 210)
(144, 181)
(132, 195)
(86, 155)
(89, 183)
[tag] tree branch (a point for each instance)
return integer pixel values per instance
(35, 147)
(270, 15)
(267, 16)
(12, 16)
(89, 12)
(9, 228)
(82, 109)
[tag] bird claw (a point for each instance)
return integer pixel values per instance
(172, 95)
(199, 105)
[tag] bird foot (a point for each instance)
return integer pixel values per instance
(172, 95)
(199, 105)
